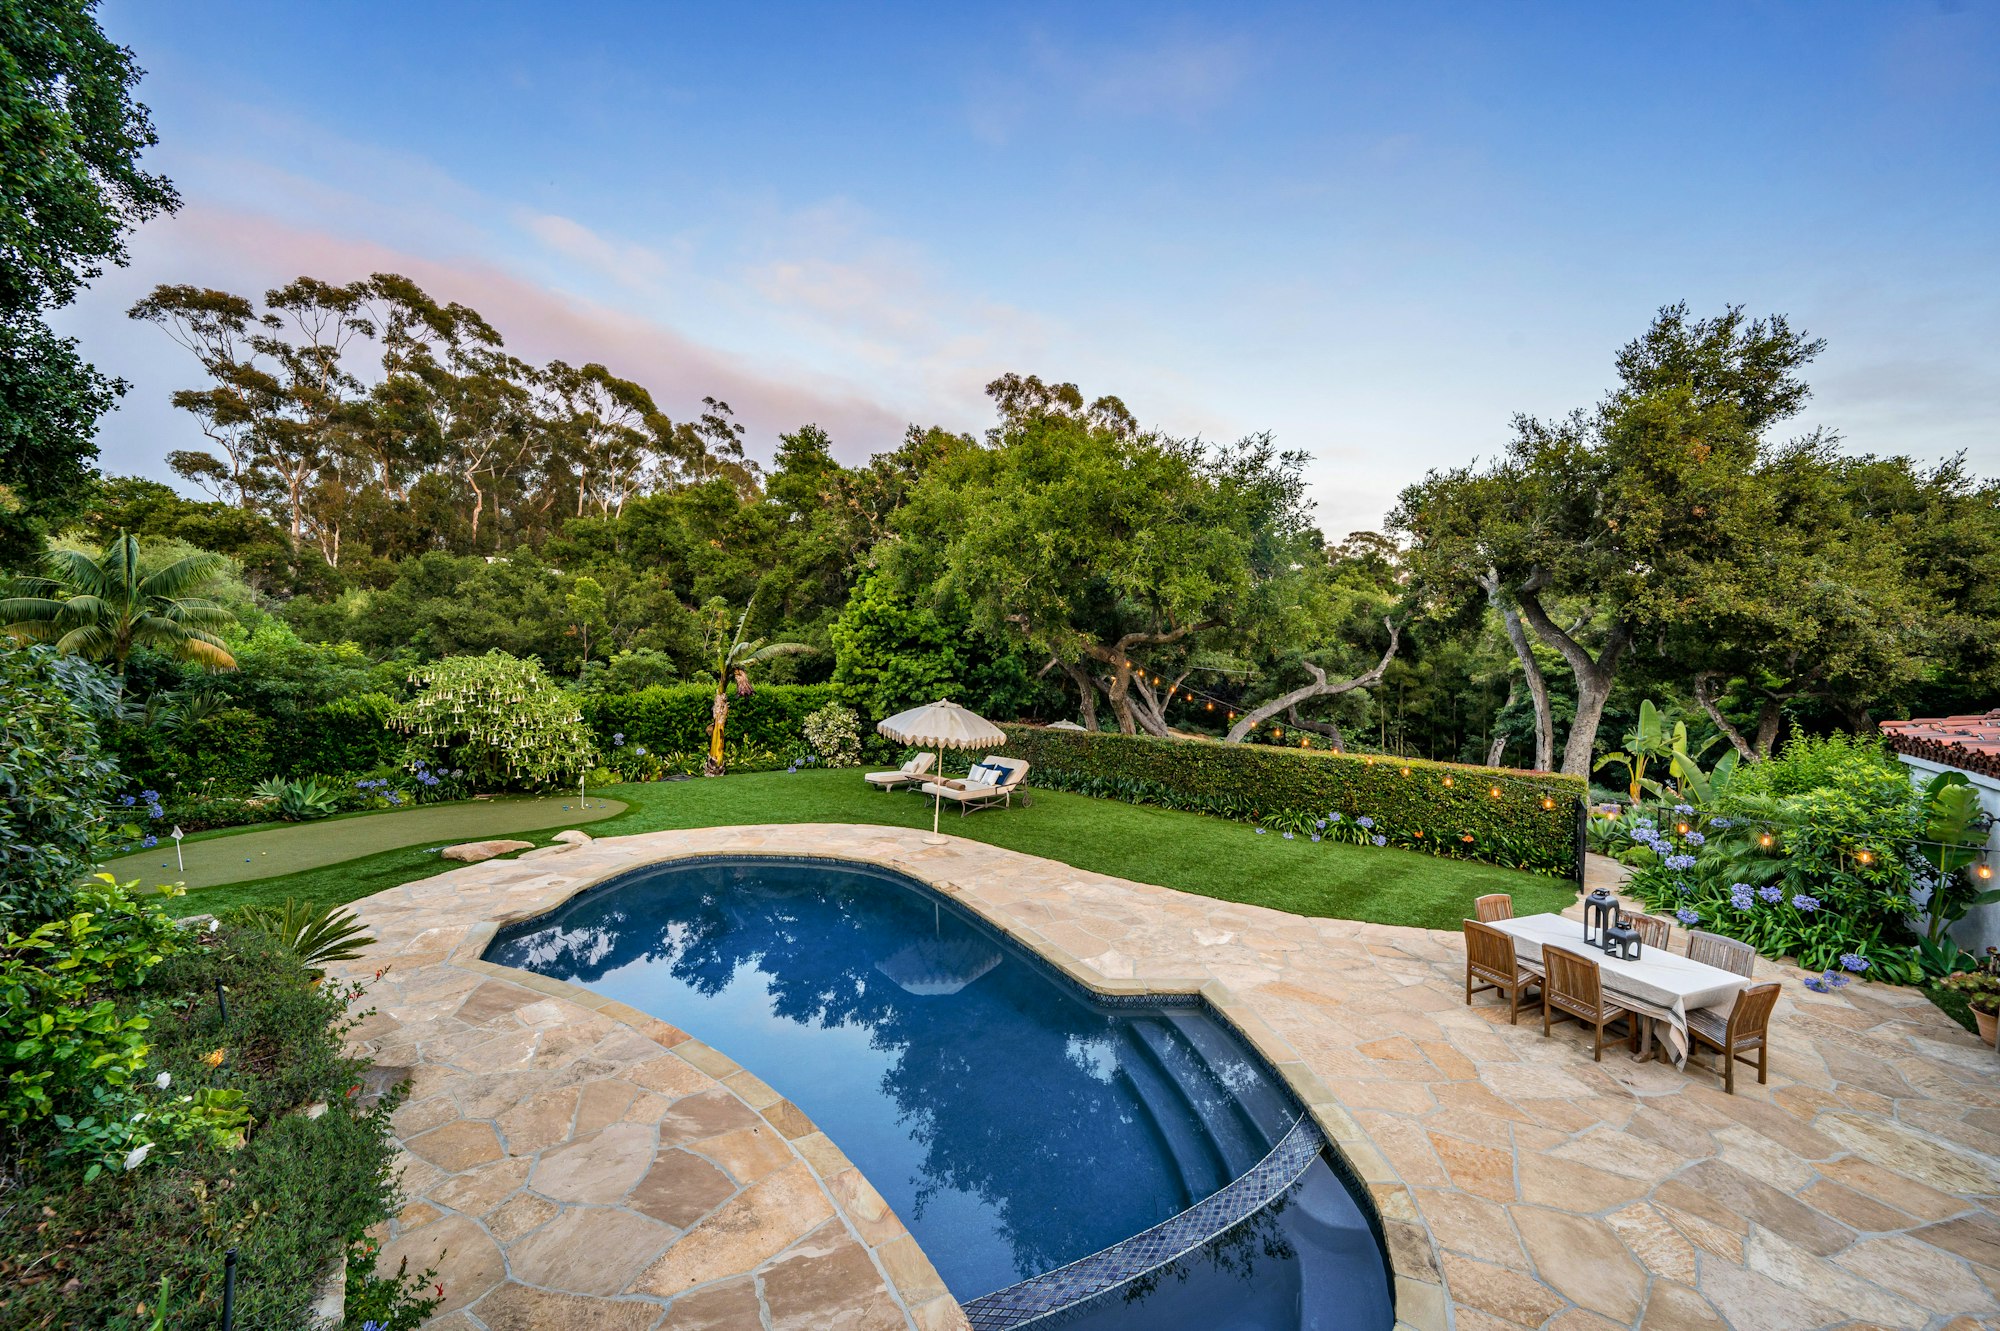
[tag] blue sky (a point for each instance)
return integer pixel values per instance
(1377, 232)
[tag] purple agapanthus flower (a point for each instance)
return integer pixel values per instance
(150, 796)
(1684, 808)
(1696, 839)
(148, 842)
(1319, 826)
(1688, 916)
(1364, 822)
(619, 739)
(1771, 892)
(1260, 831)
(1722, 822)
(1805, 903)
(1679, 862)
(1853, 961)
(156, 812)
(639, 749)
(1315, 837)
(1288, 834)
(1380, 840)
(1741, 897)
(128, 800)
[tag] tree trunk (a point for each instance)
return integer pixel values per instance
(1319, 688)
(718, 715)
(1498, 748)
(1086, 694)
(1769, 720)
(1594, 675)
(1704, 693)
(1115, 655)
(1330, 729)
(1531, 670)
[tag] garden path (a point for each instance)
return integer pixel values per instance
(580, 1163)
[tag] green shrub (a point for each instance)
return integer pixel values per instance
(1440, 808)
(674, 719)
(101, 1253)
(833, 733)
(1814, 854)
(497, 718)
(55, 780)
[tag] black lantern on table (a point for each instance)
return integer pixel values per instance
(1621, 940)
(1600, 912)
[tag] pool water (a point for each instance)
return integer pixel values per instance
(1015, 1123)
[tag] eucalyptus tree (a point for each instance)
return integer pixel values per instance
(104, 607)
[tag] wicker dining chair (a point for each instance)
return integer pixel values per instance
(1722, 953)
(1574, 987)
(1652, 930)
(1490, 963)
(1493, 906)
(1742, 1032)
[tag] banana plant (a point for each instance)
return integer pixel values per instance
(1955, 833)
(732, 665)
(1645, 743)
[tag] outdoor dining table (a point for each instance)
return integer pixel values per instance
(1660, 985)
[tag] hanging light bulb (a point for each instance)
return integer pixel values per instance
(1447, 781)
(1548, 803)
(1866, 857)
(1494, 792)
(1406, 771)
(1765, 840)
(1985, 871)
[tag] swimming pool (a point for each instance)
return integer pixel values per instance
(1058, 1155)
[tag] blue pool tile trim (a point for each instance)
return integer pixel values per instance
(1171, 1239)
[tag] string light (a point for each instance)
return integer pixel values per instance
(1866, 857)
(1766, 840)
(1495, 792)
(1985, 871)
(1447, 781)
(1548, 803)
(1406, 771)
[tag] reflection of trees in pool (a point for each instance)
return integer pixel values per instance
(1002, 1111)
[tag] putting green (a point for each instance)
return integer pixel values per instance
(228, 857)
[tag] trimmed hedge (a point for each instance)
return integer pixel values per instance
(1441, 808)
(673, 718)
(233, 749)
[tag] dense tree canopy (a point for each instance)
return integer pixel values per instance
(71, 188)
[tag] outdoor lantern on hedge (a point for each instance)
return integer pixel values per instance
(1600, 912)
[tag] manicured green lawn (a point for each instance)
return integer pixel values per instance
(244, 854)
(1180, 850)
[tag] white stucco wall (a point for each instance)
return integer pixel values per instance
(1980, 929)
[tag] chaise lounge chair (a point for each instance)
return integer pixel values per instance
(910, 773)
(989, 783)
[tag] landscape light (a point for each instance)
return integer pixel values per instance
(1496, 792)
(1447, 781)
(1866, 858)
(1764, 840)
(1548, 803)
(1985, 871)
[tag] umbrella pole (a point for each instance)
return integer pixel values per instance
(937, 803)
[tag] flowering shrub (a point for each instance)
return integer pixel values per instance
(1813, 854)
(499, 720)
(72, 1058)
(834, 735)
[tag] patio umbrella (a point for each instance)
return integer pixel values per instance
(942, 725)
(1064, 725)
(932, 966)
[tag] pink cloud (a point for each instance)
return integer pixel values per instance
(248, 253)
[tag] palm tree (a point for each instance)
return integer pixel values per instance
(104, 607)
(733, 662)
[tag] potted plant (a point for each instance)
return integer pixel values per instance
(1982, 994)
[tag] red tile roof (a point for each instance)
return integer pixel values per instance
(1969, 743)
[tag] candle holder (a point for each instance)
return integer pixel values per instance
(1600, 912)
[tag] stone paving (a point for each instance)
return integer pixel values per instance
(581, 1163)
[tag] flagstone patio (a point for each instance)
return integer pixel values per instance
(578, 1163)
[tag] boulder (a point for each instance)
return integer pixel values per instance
(574, 837)
(472, 852)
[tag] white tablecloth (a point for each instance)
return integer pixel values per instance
(1662, 985)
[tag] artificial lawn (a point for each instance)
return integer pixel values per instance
(1190, 852)
(239, 855)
